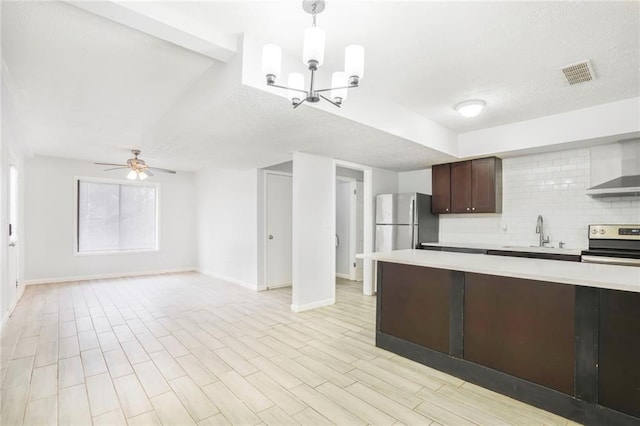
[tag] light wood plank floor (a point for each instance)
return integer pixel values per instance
(184, 349)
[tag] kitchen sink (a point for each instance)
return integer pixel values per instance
(530, 247)
(537, 252)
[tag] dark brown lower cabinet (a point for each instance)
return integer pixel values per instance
(619, 351)
(416, 305)
(521, 327)
(568, 349)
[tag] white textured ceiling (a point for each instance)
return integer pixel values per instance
(431, 55)
(85, 87)
(267, 131)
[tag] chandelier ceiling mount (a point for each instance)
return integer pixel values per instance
(312, 57)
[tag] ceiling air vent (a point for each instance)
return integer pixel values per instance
(579, 73)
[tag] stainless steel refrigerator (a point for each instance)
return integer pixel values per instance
(403, 221)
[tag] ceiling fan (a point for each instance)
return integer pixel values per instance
(139, 169)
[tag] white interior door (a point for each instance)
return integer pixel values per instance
(12, 257)
(279, 207)
(343, 229)
(359, 229)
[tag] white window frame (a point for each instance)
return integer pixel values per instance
(76, 181)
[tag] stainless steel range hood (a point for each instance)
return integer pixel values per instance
(622, 186)
(615, 170)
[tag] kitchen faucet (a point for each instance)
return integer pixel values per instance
(540, 230)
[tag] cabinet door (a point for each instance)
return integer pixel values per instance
(415, 304)
(461, 187)
(619, 350)
(485, 198)
(441, 188)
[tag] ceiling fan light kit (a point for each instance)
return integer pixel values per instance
(136, 174)
(138, 169)
(313, 57)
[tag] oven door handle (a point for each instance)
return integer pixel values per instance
(611, 260)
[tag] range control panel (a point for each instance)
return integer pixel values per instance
(614, 232)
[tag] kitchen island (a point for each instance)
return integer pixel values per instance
(563, 336)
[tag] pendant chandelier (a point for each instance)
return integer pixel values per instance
(312, 57)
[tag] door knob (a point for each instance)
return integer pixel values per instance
(12, 244)
(270, 237)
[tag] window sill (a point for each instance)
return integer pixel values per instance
(114, 252)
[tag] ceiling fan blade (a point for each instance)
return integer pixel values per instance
(111, 164)
(116, 168)
(157, 169)
(148, 172)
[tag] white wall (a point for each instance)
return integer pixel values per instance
(343, 228)
(286, 167)
(227, 224)
(49, 221)
(551, 184)
(350, 173)
(314, 200)
(415, 181)
(620, 120)
(9, 145)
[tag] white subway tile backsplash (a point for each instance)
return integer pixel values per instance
(551, 184)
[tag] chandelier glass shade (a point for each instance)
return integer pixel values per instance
(313, 46)
(313, 57)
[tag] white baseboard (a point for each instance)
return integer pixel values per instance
(344, 276)
(7, 315)
(313, 305)
(231, 280)
(271, 287)
(58, 280)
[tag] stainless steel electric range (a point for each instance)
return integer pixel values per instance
(613, 244)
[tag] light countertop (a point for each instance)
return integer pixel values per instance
(514, 247)
(613, 277)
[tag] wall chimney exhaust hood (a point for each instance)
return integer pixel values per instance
(623, 186)
(615, 170)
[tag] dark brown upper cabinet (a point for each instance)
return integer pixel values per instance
(486, 185)
(461, 174)
(473, 186)
(441, 180)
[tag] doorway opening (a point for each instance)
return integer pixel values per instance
(349, 238)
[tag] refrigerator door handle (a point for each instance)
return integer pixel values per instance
(412, 215)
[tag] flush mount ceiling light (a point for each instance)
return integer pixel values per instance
(470, 108)
(312, 57)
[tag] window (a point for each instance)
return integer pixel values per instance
(116, 217)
